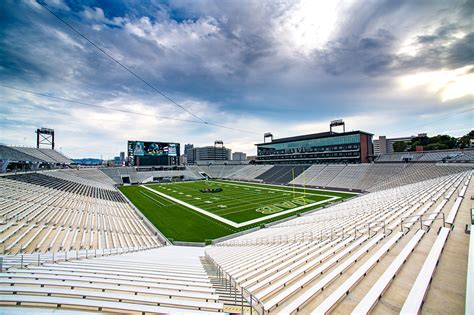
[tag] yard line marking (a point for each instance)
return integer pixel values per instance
(150, 197)
(202, 211)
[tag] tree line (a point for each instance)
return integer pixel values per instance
(439, 142)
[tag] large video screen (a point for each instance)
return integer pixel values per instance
(153, 153)
(142, 148)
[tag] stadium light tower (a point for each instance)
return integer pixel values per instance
(338, 122)
(219, 144)
(267, 135)
(45, 136)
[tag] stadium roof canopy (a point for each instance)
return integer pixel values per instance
(319, 135)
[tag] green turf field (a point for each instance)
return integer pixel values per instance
(182, 212)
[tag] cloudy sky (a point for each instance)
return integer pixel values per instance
(391, 68)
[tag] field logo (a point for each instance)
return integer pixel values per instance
(284, 205)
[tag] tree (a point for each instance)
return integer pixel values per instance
(399, 146)
(436, 146)
(465, 141)
(413, 145)
(447, 142)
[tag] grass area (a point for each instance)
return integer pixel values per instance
(174, 220)
(238, 202)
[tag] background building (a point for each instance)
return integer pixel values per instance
(239, 156)
(318, 148)
(212, 153)
(382, 145)
(117, 161)
(252, 158)
(189, 153)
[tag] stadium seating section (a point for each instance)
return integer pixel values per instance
(158, 281)
(69, 239)
(429, 156)
(373, 177)
(280, 174)
(32, 155)
(53, 211)
(345, 258)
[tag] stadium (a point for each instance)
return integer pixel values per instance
(316, 222)
(263, 238)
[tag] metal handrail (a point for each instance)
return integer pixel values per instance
(222, 274)
(420, 217)
(24, 260)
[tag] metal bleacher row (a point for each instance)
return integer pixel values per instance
(159, 281)
(91, 175)
(48, 179)
(377, 252)
(43, 213)
(429, 156)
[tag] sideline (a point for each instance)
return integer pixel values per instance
(232, 223)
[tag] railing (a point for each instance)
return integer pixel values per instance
(310, 236)
(439, 216)
(254, 303)
(24, 260)
(380, 223)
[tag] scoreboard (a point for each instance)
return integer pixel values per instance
(144, 153)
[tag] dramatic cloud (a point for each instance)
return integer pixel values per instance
(391, 68)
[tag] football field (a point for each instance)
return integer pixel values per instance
(178, 209)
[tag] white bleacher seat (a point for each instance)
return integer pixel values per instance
(463, 191)
(100, 305)
(376, 291)
(418, 291)
(344, 288)
(328, 278)
(93, 294)
(454, 210)
(303, 270)
(111, 287)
